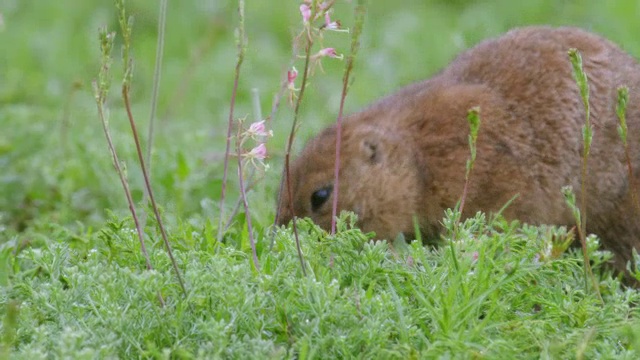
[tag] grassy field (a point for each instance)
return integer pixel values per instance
(73, 282)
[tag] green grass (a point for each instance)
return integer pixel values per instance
(72, 278)
(91, 299)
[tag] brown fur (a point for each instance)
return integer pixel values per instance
(405, 155)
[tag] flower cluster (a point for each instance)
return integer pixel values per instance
(316, 19)
(259, 134)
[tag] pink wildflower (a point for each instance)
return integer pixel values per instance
(258, 153)
(330, 52)
(256, 156)
(257, 129)
(330, 25)
(291, 86)
(326, 52)
(291, 77)
(305, 11)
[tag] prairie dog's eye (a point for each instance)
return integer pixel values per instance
(320, 197)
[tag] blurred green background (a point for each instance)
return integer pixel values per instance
(54, 164)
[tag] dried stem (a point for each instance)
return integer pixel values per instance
(125, 24)
(147, 184)
(101, 88)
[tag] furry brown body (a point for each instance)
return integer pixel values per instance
(405, 155)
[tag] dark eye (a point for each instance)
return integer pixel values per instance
(320, 197)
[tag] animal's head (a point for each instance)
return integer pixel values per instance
(380, 180)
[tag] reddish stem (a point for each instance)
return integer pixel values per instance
(127, 191)
(228, 148)
(147, 184)
(287, 156)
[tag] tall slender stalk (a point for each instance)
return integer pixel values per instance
(274, 108)
(101, 89)
(587, 136)
(287, 155)
(241, 44)
(310, 12)
(361, 11)
(587, 129)
(621, 111)
(147, 184)
(125, 24)
(473, 117)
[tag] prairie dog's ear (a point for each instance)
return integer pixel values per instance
(372, 150)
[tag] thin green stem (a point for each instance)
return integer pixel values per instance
(582, 82)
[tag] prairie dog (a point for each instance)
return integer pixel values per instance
(405, 155)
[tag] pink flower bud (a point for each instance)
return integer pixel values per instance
(291, 76)
(257, 129)
(305, 11)
(291, 86)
